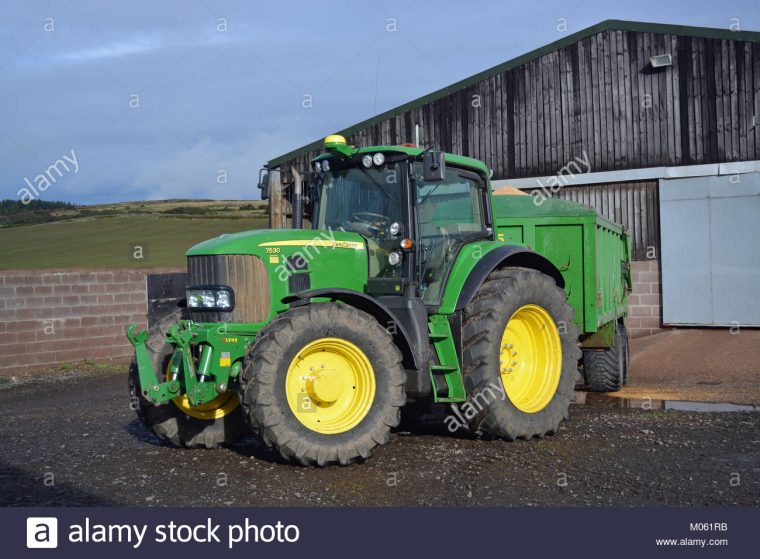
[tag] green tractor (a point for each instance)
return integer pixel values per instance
(415, 284)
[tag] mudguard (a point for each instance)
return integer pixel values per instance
(505, 256)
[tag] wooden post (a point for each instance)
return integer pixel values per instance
(276, 214)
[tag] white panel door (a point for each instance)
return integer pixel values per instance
(710, 235)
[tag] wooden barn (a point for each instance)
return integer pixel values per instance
(657, 126)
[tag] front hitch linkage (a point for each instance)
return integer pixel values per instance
(155, 391)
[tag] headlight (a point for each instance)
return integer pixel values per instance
(394, 258)
(223, 299)
(325, 165)
(317, 166)
(219, 298)
(394, 228)
(367, 161)
(378, 159)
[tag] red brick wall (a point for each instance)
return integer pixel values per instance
(49, 317)
(644, 311)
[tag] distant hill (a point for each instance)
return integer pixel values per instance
(14, 213)
(67, 236)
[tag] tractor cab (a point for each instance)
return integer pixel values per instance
(415, 209)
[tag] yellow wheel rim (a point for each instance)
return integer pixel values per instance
(217, 408)
(330, 386)
(530, 359)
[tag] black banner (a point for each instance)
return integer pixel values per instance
(378, 532)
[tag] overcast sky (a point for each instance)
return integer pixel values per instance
(158, 98)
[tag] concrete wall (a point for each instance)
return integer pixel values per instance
(51, 317)
(644, 310)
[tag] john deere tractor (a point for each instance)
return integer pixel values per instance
(415, 284)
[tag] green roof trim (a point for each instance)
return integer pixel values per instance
(607, 25)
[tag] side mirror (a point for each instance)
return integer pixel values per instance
(264, 184)
(433, 166)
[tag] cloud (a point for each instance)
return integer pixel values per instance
(142, 44)
(138, 44)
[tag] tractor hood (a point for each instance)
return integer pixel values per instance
(293, 260)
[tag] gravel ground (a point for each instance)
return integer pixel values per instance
(72, 440)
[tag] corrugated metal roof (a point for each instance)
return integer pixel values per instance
(610, 24)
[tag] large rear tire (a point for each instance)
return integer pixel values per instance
(606, 370)
(323, 384)
(214, 424)
(520, 356)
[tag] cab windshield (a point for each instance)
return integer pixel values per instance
(364, 201)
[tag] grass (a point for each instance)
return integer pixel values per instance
(107, 242)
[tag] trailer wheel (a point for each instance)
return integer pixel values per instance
(607, 370)
(216, 423)
(323, 384)
(520, 356)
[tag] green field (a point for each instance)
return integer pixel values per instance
(108, 242)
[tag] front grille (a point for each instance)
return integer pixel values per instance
(245, 274)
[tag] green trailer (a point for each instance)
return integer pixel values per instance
(415, 285)
(591, 252)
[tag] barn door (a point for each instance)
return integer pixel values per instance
(710, 234)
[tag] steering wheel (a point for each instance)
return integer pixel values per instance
(371, 217)
(370, 222)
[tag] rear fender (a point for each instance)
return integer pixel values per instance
(500, 257)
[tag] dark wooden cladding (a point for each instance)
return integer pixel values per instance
(633, 204)
(600, 96)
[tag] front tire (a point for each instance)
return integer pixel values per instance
(215, 424)
(520, 355)
(323, 384)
